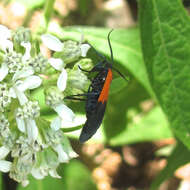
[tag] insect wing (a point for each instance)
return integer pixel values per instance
(93, 122)
(94, 119)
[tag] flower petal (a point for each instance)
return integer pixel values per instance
(64, 112)
(56, 123)
(23, 73)
(53, 173)
(37, 173)
(3, 71)
(5, 33)
(68, 148)
(21, 96)
(56, 63)
(6, 45)
(25, 183)
(52, 42)
(12, 93)
(27, 46)
(21, 124)
(5, 166)
(62, 155)
(62, 80)
(30, 82)
(84, 49)
(3, 152)
(32, 130)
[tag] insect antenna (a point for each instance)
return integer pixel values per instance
(126, 79)
(111, 52)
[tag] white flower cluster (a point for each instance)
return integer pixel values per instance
(34, 146)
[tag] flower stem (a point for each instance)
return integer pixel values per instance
(70, 129)
(48, 10)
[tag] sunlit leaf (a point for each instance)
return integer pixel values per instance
(165, 35)
(47, 183)
(77, 176)
(152, 126)
(125, 44)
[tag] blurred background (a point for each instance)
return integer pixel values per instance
(135, 140)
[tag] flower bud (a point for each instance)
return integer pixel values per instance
(21, 35)
(71, 52)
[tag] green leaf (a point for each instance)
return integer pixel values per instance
(125, 44)
(45, 184)
(152, 126)
(74, 176)
(165, 35)
(117, 85)
(179, 157)
(1, 182)
(77, 176)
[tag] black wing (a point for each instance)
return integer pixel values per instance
(93, 122)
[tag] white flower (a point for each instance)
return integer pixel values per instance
(22, 81)
(21, 65)
(55, 44)
(64, 151)
(5, 43)
(48, 165)
(64, 114)
(3, 71)
(27, 47)
(52, 42)
(25, 118)
(62, 79)
(43, 170)
(4, 165)
(84, 49)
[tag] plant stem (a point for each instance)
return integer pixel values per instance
(48, 10)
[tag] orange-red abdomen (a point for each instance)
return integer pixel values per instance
(105, 90)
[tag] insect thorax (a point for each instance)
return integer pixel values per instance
(95, 90)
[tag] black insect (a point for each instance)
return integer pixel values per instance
(97, 95)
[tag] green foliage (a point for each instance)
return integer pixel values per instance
(74, 176)
(151, 126)
(77, 176)
(46, 184)
(165, 35)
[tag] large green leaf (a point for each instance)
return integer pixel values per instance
(46, 184)
(152, 126)
(74, 176)
(165, 35)
(179, 157)
(77, 176)
(125, 44)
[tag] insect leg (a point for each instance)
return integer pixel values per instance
(83, 69)
(72, 97)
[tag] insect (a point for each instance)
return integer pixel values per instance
(97, 94)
